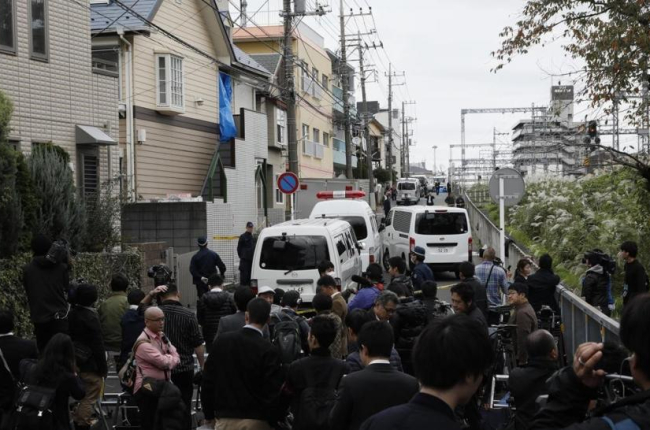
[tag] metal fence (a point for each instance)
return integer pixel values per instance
(580, 321)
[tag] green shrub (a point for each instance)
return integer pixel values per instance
(95, 268)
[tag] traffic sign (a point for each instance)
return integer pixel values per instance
(288, 183)
(513, 186)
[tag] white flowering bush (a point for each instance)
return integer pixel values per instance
(565, 218)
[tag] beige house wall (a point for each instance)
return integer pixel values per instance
(51, 97)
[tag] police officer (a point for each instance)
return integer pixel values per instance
(204, 263)
(245, 250)
(420, 272)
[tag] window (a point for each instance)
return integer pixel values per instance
(406, 186)
(402, 221)
(325, 81)
(326, 139)
(89, 175)
(305, 132)
(293, 252)
(357, 222)
(304, 77)
(441, 223)
(105, 61)
(315, 74)
(8, 26)
(169, 82)
(281, 121)
(38, 26)
(279, 195)
(316, 135)
(15, 144)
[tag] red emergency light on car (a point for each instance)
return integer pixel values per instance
(324, 195)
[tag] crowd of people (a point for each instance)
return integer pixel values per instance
(391, 357)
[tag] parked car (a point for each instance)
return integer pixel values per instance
(287, 255)
(362, 219)
(444, 232)
(408, 191)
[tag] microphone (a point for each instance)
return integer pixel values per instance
(361, 281)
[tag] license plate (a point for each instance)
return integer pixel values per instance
(443, 250)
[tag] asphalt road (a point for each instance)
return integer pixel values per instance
(445, 280)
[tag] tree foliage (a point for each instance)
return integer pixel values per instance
(611, 38)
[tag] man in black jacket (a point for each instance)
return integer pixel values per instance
(86, 333)
(309, 375)
(462, 300)
(541, 285)
(203, 264)
(214, 305)
(466, 270)
(450, 358)
(13, 349)
(245, 251)
(595, 283)
(571, 390)
(377, 387)
(528, 382)
(46, 283)
(243, 376)
(636, 279)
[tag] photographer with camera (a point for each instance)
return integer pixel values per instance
(573, 387)
(493, 276)
(46, 281)
(595, 285)
(203, 264)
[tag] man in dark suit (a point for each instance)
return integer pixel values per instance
(236, 321)
(13, 349)
(449, 357)
(243, 376)
(203, 264)
(528, 382)
(377, 387)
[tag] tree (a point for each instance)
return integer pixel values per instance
(11, 220)
(611, 37)
(382, 175)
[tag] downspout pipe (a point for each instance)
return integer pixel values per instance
(130, 144)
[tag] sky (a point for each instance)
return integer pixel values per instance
(444, 49)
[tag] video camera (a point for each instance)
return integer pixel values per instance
(598, 257)
(161, 274)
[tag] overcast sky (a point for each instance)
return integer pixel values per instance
(444, 47)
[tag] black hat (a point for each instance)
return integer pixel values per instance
(249, 224)
(418, 250)
(202, 241)
(86, 294)
(41, 244)
(374, 272)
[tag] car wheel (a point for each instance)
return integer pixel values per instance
(385, 259)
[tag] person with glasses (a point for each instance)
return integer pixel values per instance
(155, 357)
(385, 306)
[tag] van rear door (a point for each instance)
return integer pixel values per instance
(445, 235)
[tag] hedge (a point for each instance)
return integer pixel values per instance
(95, 268)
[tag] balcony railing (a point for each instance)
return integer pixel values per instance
(313, 149)
(338, 152)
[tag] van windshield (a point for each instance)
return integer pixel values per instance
(406, 186)
(441, 223)
(293, 253)
(357, 222)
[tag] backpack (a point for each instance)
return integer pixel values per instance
(286, 336)
(128, 372)
(316, 402)
(33, 409)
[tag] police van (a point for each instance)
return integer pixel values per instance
(349, 206)
(408, 191)
(444, 233)
(287, 255)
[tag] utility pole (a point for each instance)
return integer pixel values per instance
(405, 140)
(390, 118)
(289, 80)
(346, 98)
(366, 133)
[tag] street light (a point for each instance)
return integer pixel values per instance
(434, 158)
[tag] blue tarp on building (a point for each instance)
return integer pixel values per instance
(227, 128)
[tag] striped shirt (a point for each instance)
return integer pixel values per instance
(182, 329)
(496, 284)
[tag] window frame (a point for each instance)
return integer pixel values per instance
(316, 135)
(281, 127)
(305, 131)
(13, 49)
(326, 139)
(168, 83)
(325, 80)
(38, 56)
(279, 195)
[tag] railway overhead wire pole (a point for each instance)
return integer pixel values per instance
(464, 112)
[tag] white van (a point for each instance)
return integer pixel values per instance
(408, 191)
(443, 232)
(362, 219)
(287, 255)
